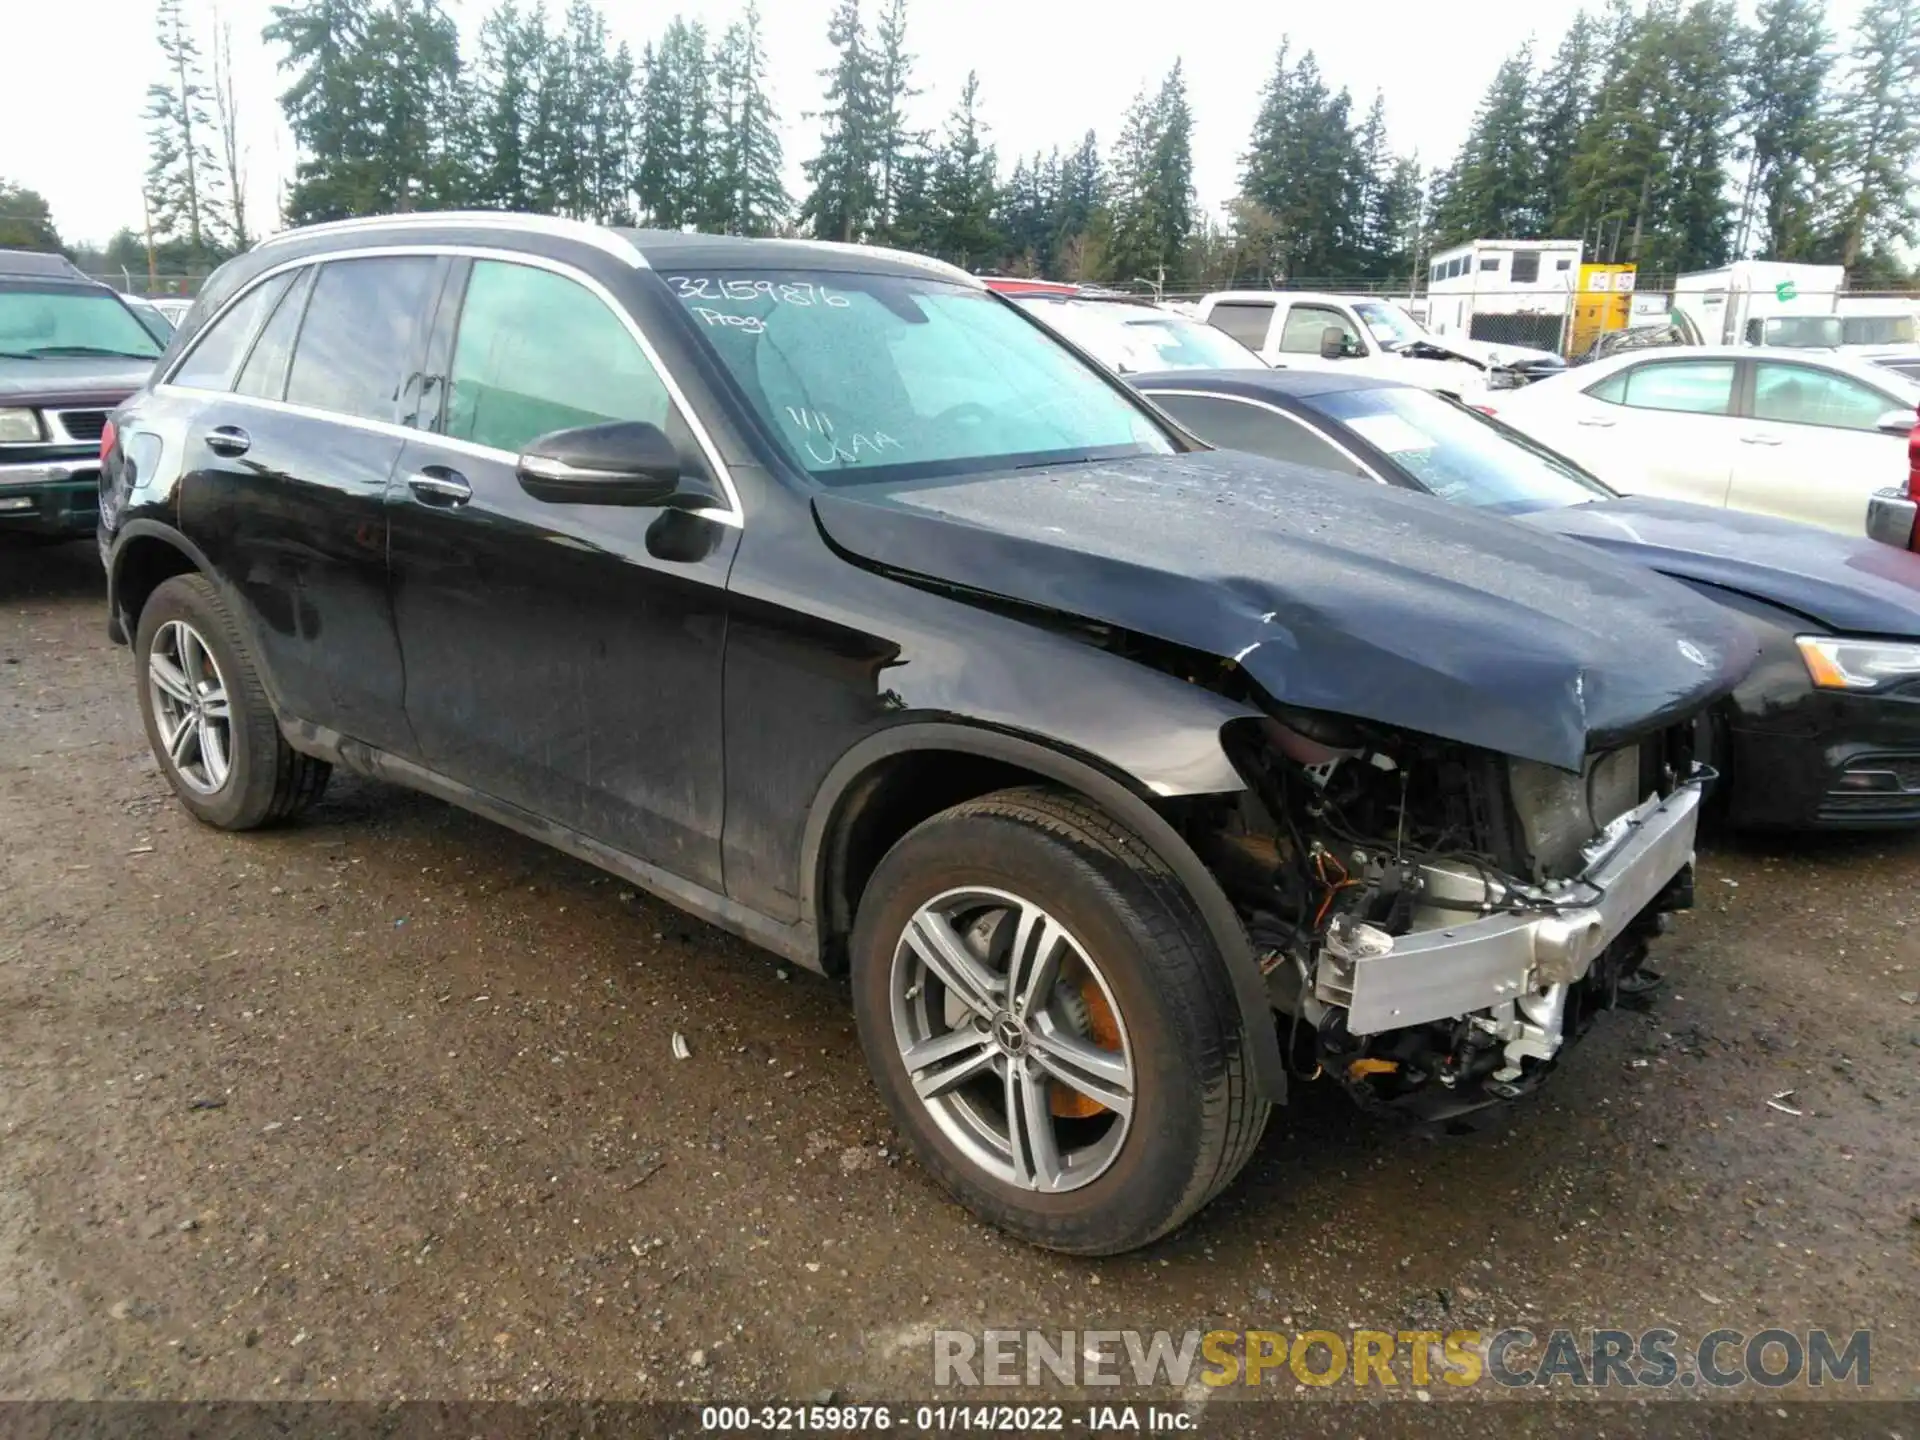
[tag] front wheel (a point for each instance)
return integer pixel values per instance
(1050, 1025)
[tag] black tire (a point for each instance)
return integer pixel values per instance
(1196, 1118)
(267, 781)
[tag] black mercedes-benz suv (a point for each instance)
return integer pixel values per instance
(70, 350)
(831, 597)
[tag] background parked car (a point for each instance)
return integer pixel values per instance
(1825, 733)
(1369, 335)
(1128, 335)
(1803, 435)
(151, 316)
(70, 350)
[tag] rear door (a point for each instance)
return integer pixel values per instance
(1810, 448)
(292, 439)
(565, 659)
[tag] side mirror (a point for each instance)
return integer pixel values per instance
(1333, 343)
(624, 462)
(1898, 422)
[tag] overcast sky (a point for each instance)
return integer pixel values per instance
(71, 127)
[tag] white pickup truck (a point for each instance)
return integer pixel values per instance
(1368, 335)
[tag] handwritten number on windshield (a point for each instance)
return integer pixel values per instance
(797, 292)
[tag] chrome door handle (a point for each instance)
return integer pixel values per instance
(229, 440)
(440, 487)
(1596, 423)
(1759, 439)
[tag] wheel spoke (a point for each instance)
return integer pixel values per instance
(192, 658)
(1098, 1074)
(213, 752)
(1030, 1140)
(1034, 961)
(180, 743)
(938, 1080)
(941, 951)
(169, 677)
(213, 704)
(937, 1048)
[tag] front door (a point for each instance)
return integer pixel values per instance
(565, 659)
(1657, 427)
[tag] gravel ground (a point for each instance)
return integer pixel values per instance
(384, 1105)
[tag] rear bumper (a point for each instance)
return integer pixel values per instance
(1439, 974)
(50, 497)
(1890, 518)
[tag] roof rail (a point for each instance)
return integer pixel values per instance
(582, 231)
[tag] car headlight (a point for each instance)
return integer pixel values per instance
(19, 427)
(1502, 379)
(1837, 664)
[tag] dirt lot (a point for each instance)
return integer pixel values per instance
(385, 1105)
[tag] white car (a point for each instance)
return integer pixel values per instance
(1130, 336)
(1805, 435)
(1366, 335)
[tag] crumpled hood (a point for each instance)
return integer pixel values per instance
(1849, 584)
(1360, 600)
(71, 380)
(1482, 352)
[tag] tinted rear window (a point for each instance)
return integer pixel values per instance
(361, 331)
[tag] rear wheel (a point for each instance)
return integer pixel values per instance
(1050, 1025)
(207, 715)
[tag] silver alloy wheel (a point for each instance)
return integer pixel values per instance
(190, 704)
(993, 1003)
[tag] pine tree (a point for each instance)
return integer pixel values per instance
(1153, 207)
(844, 203)
(1783, 87)
(893, 89)
(412, 58)
(1562, 102)
(1703, 48)
(183, 184)
(964, 186)
(1879, 140)
(1494, 186)
(1620, 158)
(751, 198)
(1301, 175)
(326, 106)
(511, 44)
(231, 153)
(1081, 220)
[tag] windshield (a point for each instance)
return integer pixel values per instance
(1803, 332)
(1879, 329)
(1457, 453)
(1136, 338)
(880, 377)
(43, 323)
(1391, 326)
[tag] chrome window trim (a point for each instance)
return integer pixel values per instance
(734, 514)
(1367, 472)
(595, 235)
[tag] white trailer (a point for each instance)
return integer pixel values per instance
(1764, 302)
(1513, 292)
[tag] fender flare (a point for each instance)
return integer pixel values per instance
(134, 530)
(1113, 795)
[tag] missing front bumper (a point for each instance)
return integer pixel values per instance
(1461, 969)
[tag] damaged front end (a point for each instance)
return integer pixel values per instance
(1436, 921)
